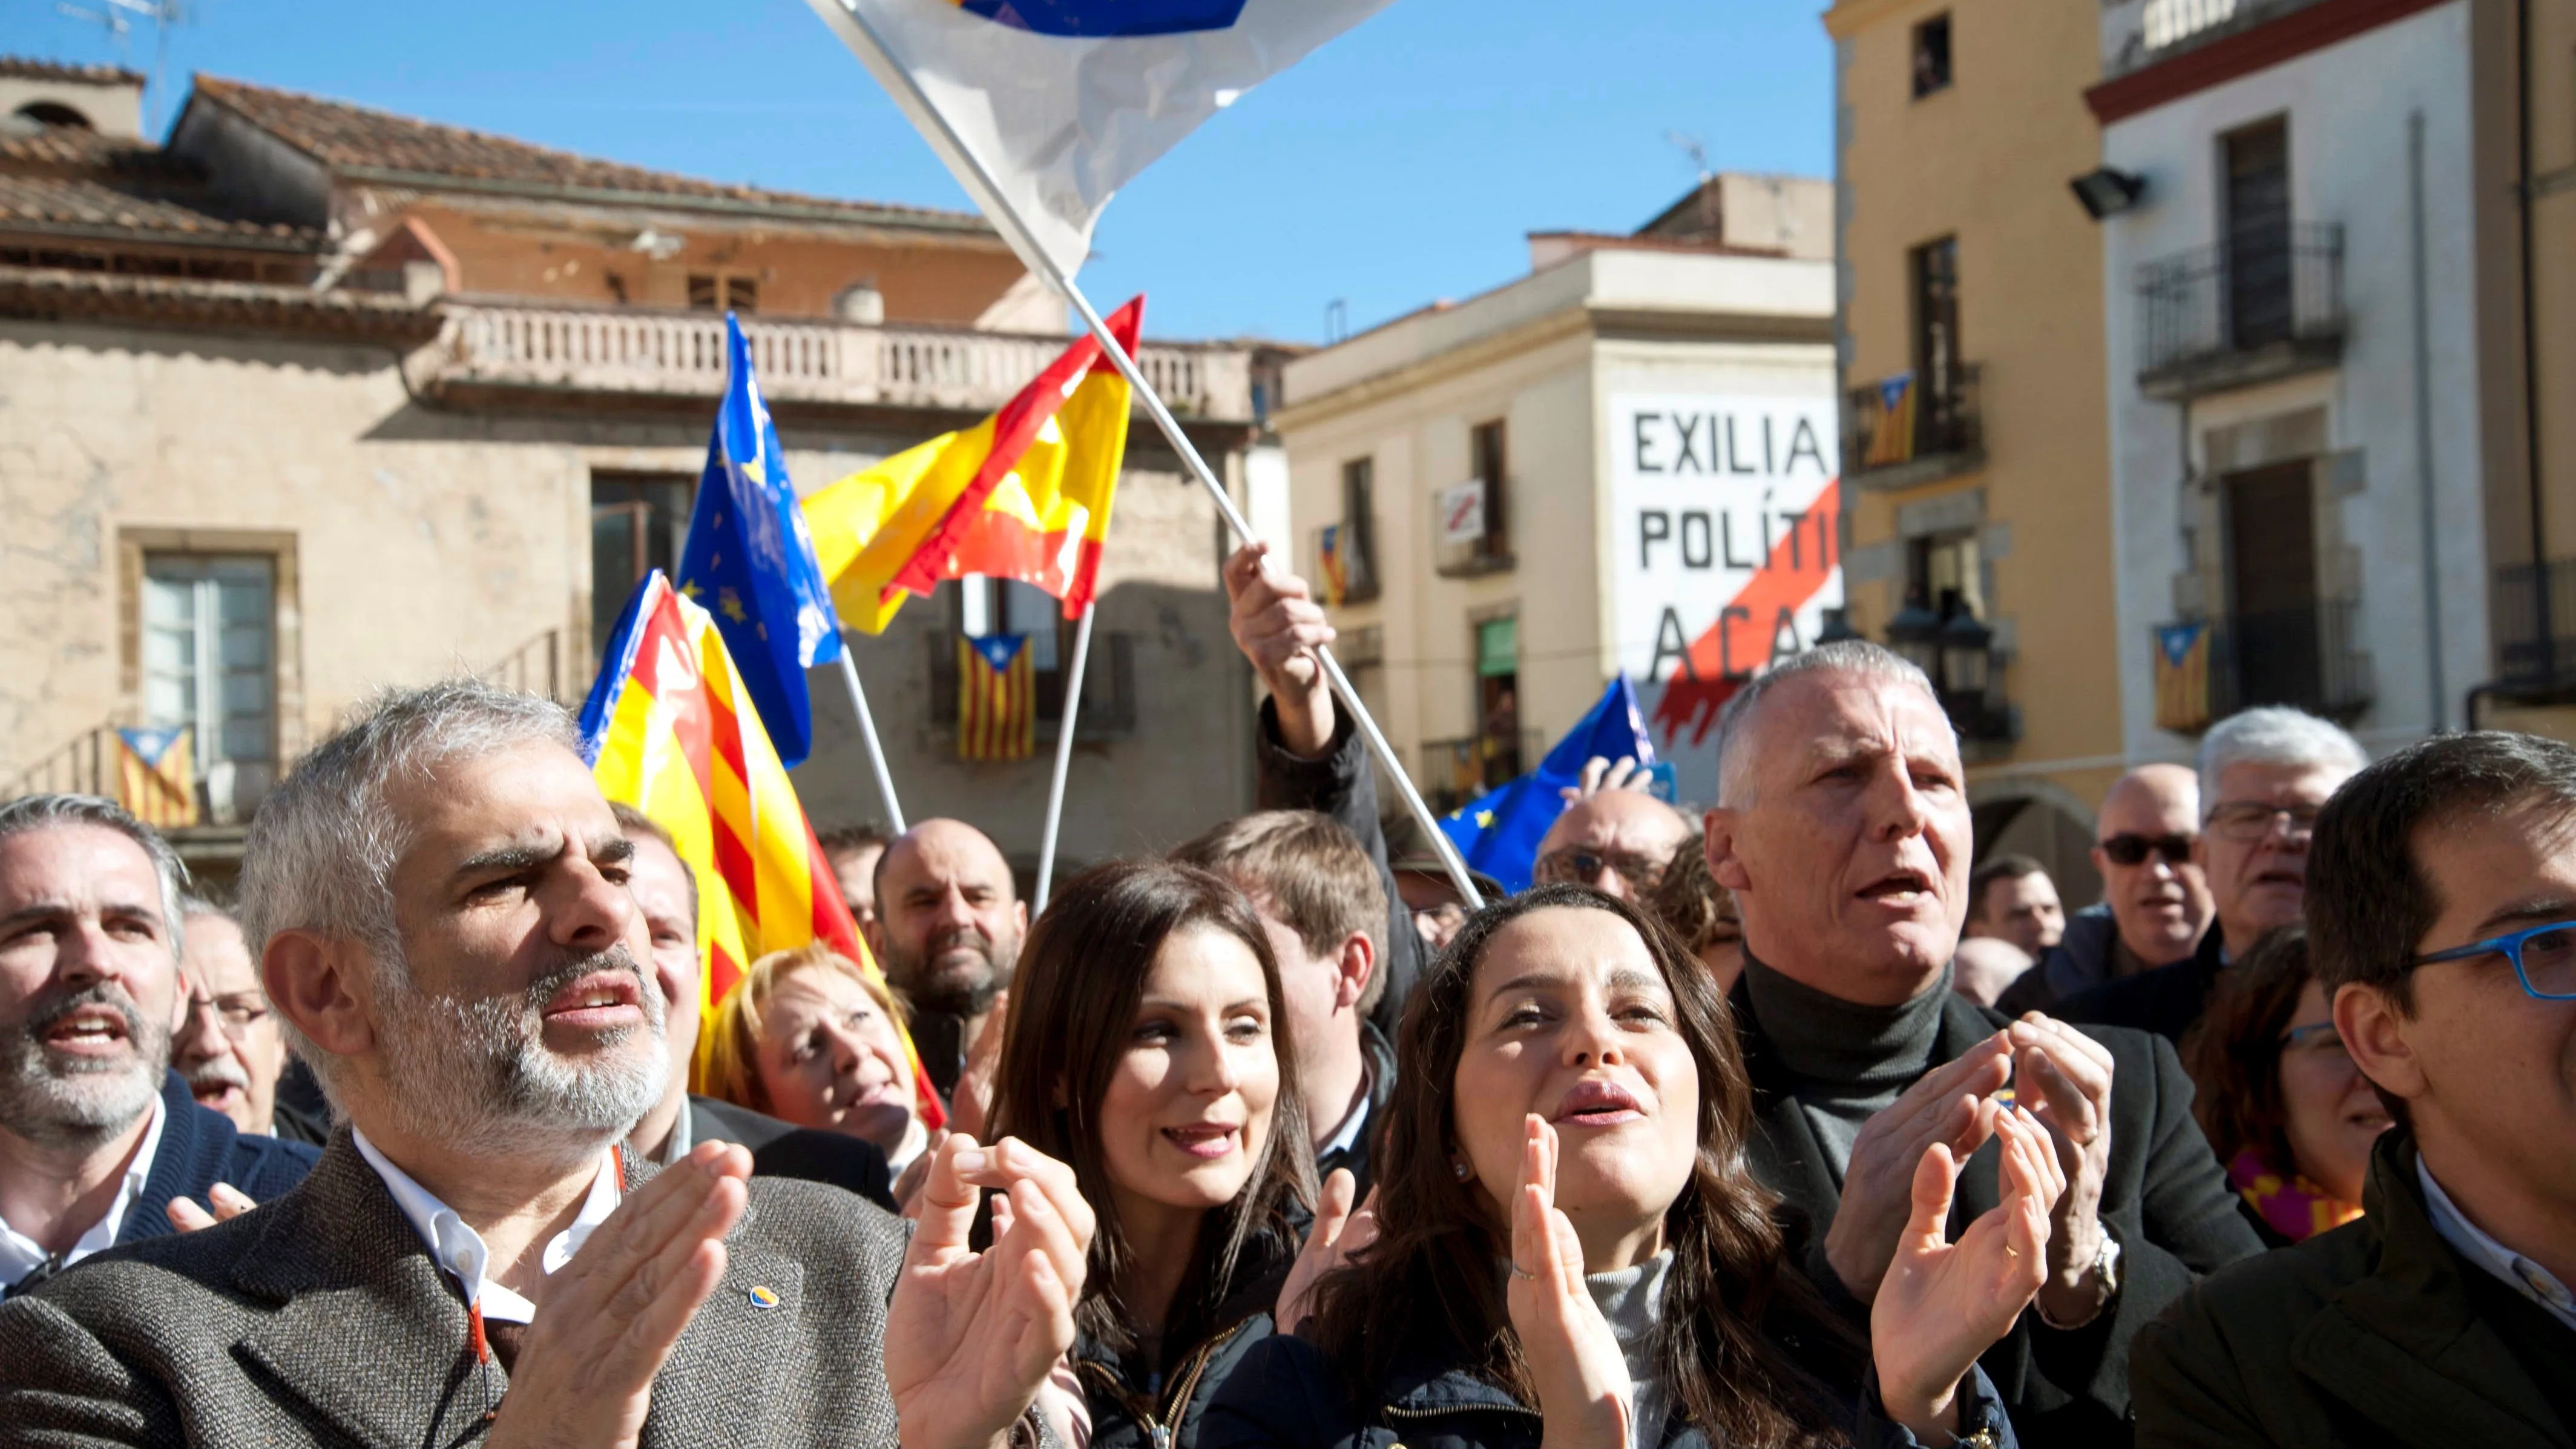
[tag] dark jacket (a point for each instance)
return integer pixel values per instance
(2375, 1336)
(199, 1148)
(1344, 786)
(779, 1149)
(1286, 1395)
(2164, 1201)
(1360, 1156)
(321, 1319)
(2167, 1001)
(1133, 1408)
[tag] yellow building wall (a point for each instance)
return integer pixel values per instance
(1987, 160)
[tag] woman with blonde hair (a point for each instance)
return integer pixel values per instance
(811, 1038)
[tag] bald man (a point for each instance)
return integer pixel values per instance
(2155, 896)
(1616, 841)
(949, 923)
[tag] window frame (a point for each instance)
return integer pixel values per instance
(1921, 85)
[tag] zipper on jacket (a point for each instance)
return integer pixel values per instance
(1158, 1430)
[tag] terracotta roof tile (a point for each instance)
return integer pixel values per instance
(64, 176)
(24, 67)
(348, 137)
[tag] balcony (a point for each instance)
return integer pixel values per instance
(1457, 771)
(2249, 310)
(1905, 432)
(645, 353)
(2527, 656)
(2306, 657)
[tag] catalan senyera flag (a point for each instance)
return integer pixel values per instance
(997, 703)
(670, 728)
(1892, 441)
(2182, 677)
(1024, 494)
(156, 775)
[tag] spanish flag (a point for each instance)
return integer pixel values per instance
(156, 775)
(671, 730)
(1024, 494)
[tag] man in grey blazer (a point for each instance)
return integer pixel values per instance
(439, 896)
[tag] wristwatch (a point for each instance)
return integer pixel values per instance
(2106, 1276)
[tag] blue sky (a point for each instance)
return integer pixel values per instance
(1401, 163)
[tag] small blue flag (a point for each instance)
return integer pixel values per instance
(750, 562)
(1499, 831)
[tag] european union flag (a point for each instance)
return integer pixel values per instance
(750, 562)
(1499, 831)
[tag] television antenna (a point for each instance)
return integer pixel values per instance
(1697, 150)
(118, 18)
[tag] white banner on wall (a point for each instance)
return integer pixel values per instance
(1723, 518)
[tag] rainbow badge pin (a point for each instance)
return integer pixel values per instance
(764, 1297)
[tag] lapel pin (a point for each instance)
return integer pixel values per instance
(764, 1297)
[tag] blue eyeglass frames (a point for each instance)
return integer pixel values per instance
(2543, 956)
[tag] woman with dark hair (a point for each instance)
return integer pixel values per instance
(1147, 1047)
(2279, 1097)
(1570, 1250)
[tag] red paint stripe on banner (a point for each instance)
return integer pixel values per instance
(1740, 641)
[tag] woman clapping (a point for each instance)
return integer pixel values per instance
(1569, 1250)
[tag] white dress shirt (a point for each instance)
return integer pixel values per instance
(2525, 1277)
(459, 1249)
(21, 1255)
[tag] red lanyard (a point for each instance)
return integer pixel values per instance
(479, 1343)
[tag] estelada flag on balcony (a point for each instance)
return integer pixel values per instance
(2182, 677)
(1498, 832)
(1024, 494)
(997, 698)
(1044, 108)
(1892, 441)
(671, 729)
(750, 562)
(156, 775)
(1335, 569)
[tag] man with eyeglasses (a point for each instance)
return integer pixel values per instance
(1616, 841)
(100, 1142)
(227, 1048)
(2155, 898)
(2264, 775)
(2441, 910)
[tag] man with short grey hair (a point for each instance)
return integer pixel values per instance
(440, 905)
(1843, 830)
(99, 1140)
(2264, 775)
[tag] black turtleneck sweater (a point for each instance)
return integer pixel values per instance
(1846, 1061)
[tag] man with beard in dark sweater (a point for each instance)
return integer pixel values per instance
(1843, 829)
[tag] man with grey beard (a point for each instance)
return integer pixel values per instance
(949, 920)
(99, 1140)
(438, 899)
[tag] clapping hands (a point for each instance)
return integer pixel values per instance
(1942, 1304)
(1574, 1360)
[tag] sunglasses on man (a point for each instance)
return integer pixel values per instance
(2130, 848)
(1580, 865)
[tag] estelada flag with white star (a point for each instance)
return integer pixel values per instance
(750, 563)
(671, 728)
(1044, 108)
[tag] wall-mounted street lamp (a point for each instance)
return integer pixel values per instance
(2106, 191)
(1967, 655)
(1915, 635)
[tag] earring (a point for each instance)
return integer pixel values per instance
(1463, 1170)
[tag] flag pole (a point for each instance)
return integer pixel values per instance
(1063, 753)
(861, 37)
(868, 733)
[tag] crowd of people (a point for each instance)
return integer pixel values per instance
(1782, 1122)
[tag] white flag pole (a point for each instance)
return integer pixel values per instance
(868, 733)
(1063, 753)
(861, 37)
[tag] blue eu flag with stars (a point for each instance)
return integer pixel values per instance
(750, 562)
(1499, 831)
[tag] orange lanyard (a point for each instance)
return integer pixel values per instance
(479, 1343)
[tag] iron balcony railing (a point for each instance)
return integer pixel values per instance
(2308, 657)
(2258, 291)
(2527, 654)
(1914, 418)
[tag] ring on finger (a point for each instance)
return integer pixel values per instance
(1520, 1272)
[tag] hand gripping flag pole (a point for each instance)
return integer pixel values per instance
(1063, 752)
(860, 34)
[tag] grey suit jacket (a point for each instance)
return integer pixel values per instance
(321, 1319)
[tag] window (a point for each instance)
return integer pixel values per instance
(1006, 606)
(1498, 710)
(1932, 56)
(1470, 533)
(2259, 302)
(638, 521)
(2272, 603)
(210, 663)
(1356, 543)
(1946, 574)
(723, 292)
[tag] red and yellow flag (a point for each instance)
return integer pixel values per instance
(156, 775)
(1024, 494)
(997, 698)
(671, 730)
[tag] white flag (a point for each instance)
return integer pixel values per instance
(1044, 108)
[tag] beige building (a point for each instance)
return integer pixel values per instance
(1970, 289)
(314, 399)
(1579, 474)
